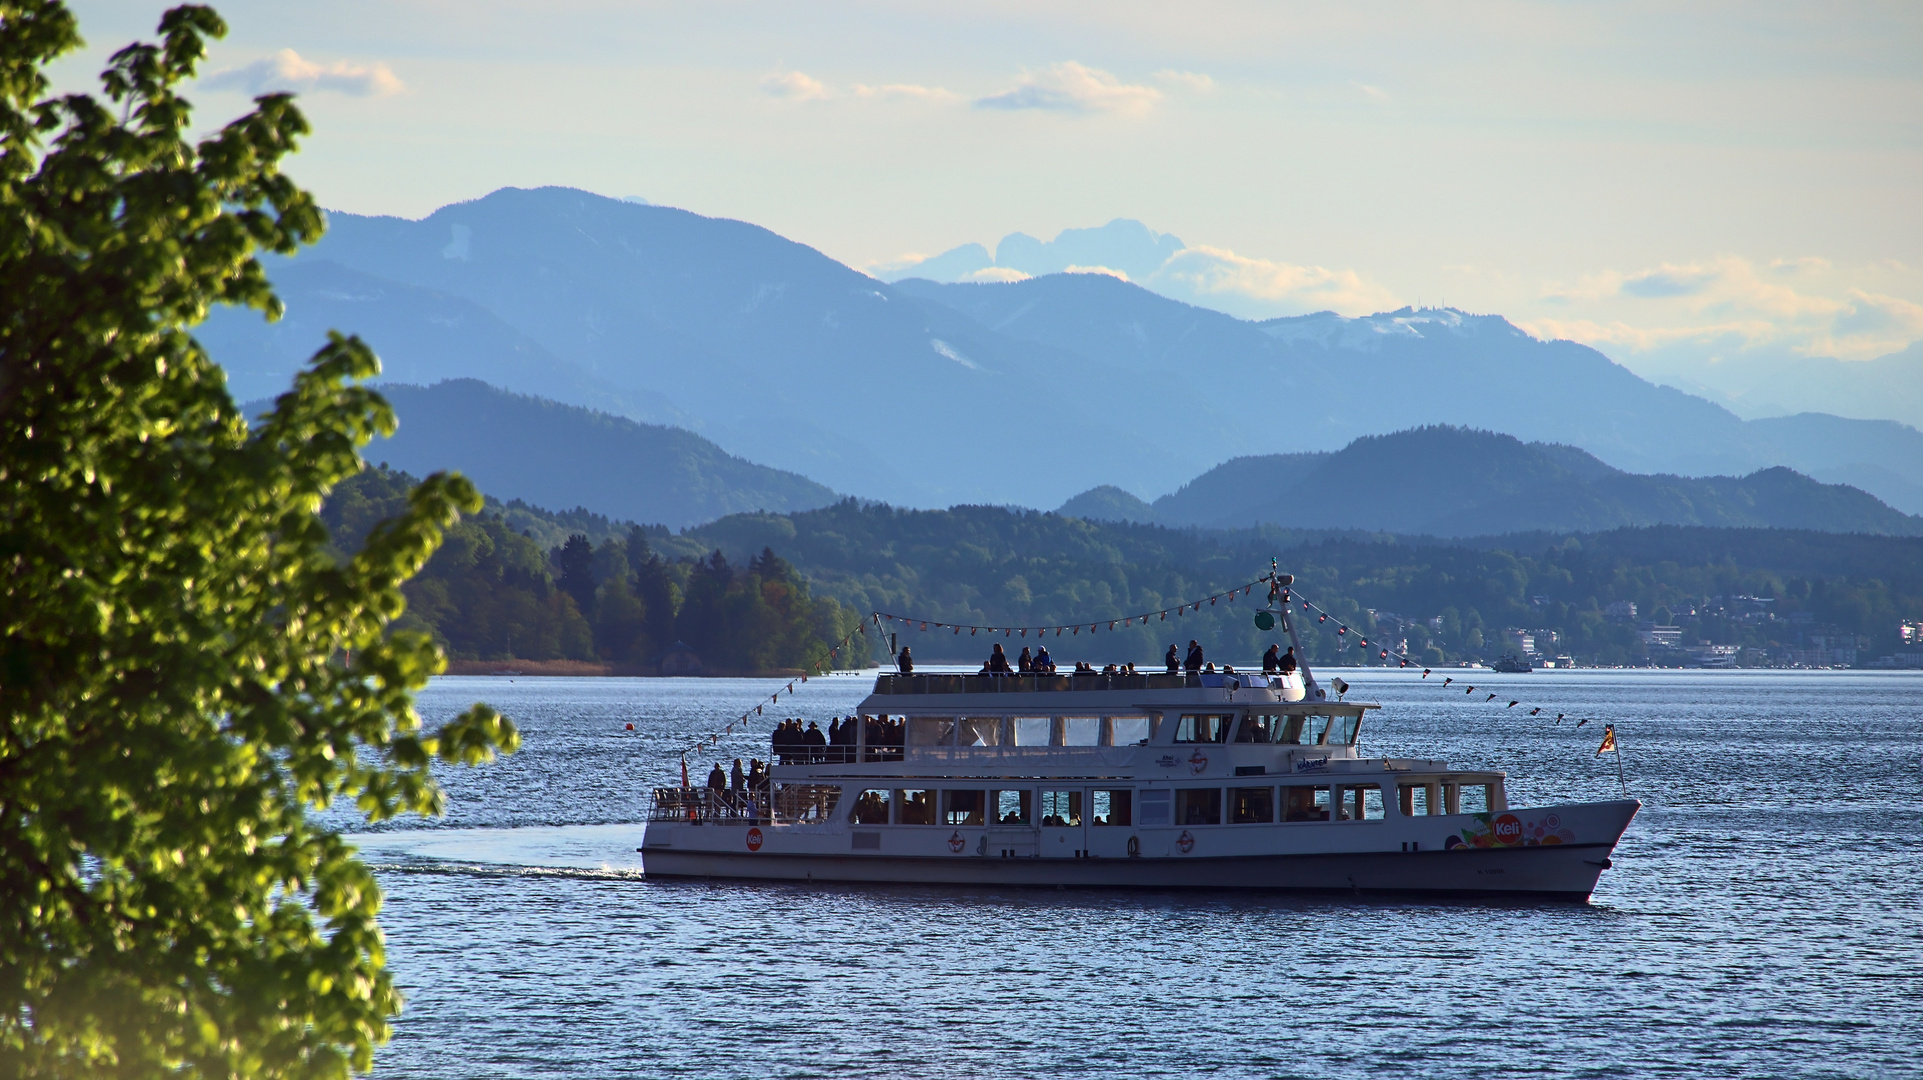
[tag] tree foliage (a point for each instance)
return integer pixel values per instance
(185, 668)
(491, 593)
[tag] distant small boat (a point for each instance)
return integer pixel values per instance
(1511, 664)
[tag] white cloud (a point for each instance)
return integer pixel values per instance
(1373, 93)
(1731, 305)
(1073, 88)
(1212, 275)
(907, 92)
(1193, 81)
(288, 70)
(794, 86)
(1110, 271)
(996, 273)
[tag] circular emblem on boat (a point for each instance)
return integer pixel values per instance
(956, 843)
(1186, 842)
(1507, 829)
(1198, 762)
(754, 839)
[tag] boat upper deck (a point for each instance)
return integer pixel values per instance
(1084, 693)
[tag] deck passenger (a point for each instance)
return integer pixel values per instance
(1194, 661)
(1174, 660)
(1287, 664)
(997, 662)
(738, 783)
(1025, 663)
(816, 742)
(905, 663)
(1044, 663)
(717, 788)
(1272, 660)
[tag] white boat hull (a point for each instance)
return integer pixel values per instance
(1505, 853)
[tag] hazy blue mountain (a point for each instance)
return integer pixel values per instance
(422, 335)
(561, 456)
(1456, 482)
(1129, 247)
(1780, 382)
(774, 350)
(1871, 451)
(1319, 381)
(926, 394)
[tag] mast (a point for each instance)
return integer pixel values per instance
(1312, 690)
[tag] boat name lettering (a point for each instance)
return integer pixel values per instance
(754, 839)
(1313, 764)
(1166, 761)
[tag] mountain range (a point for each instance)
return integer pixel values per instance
(1455, 482)
(926, 394)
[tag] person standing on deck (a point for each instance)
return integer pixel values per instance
(1194, 662)
(1025, 663)
(1174, 660)
(1287, 664)
(1272, 660)
(905, 663)
(816, 742)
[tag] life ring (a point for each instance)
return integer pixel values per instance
(1198, 763)
(956, 843)
(1134, 847)
(1186, 842)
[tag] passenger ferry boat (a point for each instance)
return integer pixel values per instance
(1227, 780)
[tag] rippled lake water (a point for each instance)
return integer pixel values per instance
(1763, 918)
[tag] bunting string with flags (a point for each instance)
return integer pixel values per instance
(817, 667)
(1124, 622)
(1403, 660)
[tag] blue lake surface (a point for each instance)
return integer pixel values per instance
(1764, 917)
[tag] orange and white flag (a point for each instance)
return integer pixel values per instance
(1609, 740)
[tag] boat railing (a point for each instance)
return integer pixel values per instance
(1028, 684)
(776, 804)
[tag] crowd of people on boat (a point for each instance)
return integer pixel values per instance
(795, 745)
(1276, 661)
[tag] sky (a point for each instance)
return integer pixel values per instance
(1682, 186)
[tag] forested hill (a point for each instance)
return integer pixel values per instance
(620, 594)
(1452, 481)
(992, 566)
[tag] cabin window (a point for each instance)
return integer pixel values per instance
(981, 731)
(805, 802)
(964, 807)
(1477, 799)
(1257, 728)
(1304, 802)
(1014, 807)
(871, 808)
(931, 731)
(1419, 800)
(1342, 729)
(1082, 731)
(1155, 806)
(914, 806)
(1032, 730)
(1111, 807)
(1061, 809)
(1129, 730)
(1360, 802)
(1202, 728)
(1305, 730)
(1251, 805)
(1198, 806)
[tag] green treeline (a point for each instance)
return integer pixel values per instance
(492, 592)
(1449, 602)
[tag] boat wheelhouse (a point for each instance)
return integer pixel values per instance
(1180, 780)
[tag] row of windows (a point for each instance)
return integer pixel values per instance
(1314, 729)
(1163, 806)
